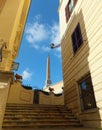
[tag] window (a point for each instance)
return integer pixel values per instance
(69, 8)
(86, 93)
(76, 38)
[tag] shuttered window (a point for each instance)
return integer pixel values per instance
(77, 39)
(69, 8)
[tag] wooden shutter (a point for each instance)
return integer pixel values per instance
(67, 14)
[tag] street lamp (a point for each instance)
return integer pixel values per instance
(52, 45)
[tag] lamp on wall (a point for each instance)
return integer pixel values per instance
(52, 45)
(2, 47)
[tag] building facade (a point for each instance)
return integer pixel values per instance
(12, 20)
(13, 14)
(81, 44)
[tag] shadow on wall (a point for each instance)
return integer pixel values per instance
(79, 91)
(48, 98)
(19, 95)
(25, 95)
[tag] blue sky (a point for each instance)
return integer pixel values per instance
(42, 28)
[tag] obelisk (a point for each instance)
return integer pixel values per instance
(48, 81)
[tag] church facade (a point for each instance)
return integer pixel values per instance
(81, 44)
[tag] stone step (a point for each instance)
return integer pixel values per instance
(37, 108)
(40, 123)
(41, 108)
(43, 126)
(35, 105)
(38, 115)
(18, 107)
(45, 109)
(39, 119)
(38, 111)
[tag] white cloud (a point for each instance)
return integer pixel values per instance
(55, 34)
(45, 48)
(26, 74)
(38, 33)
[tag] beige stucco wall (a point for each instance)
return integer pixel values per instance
(20, 95)
(51, 99)
(6, 79)
(88, 58)
(4, 88)
(13, 14)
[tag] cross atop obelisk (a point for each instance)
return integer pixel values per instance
(48, 81)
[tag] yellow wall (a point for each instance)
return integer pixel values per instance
(88, 58)
(19, 95)
(13, 16)
(51, 99)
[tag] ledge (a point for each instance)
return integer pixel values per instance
(94, 110)
(7, 74)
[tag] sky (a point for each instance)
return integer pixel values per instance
(41, 29)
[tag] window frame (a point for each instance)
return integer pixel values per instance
(68, 12)
(71, 6)
(77, 39)
(87, 93)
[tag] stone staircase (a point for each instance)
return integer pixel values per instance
(31, 116)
